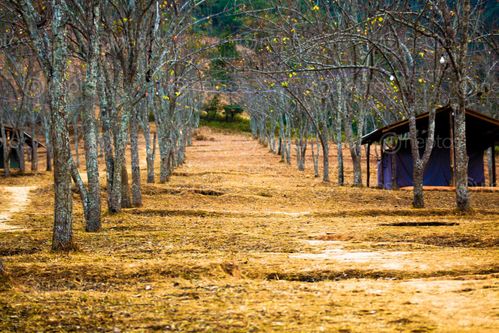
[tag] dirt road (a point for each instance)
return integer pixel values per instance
(15, 200)
(238, 241)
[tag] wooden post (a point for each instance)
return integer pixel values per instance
(451, 149)
(382, 166)
(368, 176)
(493, 178)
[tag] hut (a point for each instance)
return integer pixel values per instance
(13, 136)
(395, 167)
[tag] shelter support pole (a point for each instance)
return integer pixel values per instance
(368, 154)
(382, 165)
(451, 149)
(493, 179)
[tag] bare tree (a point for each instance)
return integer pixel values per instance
(51, 50)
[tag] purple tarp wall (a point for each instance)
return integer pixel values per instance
(437, 171)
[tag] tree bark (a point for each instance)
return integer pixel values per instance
(20, 150)
(150, 150)
(418, 195)
(105, 114)
(48, 141)
(126, 201)
(462, 195)
(52, 55)
(119, 162)
(5, 151)
(164, 151)
(76, 140)
(134, 143)
(339, 146)
(315, 156)
(460, 89)
(34, 148)
(93, 214)
(325, 158)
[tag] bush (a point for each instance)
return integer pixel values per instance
(240, 124)
(231, 111)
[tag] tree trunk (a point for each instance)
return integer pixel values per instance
(119, 162)
(5, 151)
(93, 222)
(325, 158)
(20, 151)
(53, 62)
(134, 144)
(164, 165)
(418, 195)
(462, 195)
(126, 202)
(63, 220)
(34, 148)
(315, 157)
(150, 150)
(288, 143)
(357, 165)
(105, 114)
(282, 138)
(62, 239)
(339, 147)
(50, 151)
(461, 91)
(76, 141)
(165, 147)
(48, 143)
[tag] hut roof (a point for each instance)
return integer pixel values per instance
(27, 138)
(479, 127)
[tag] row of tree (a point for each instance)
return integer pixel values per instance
(320, 72)
(332, 70)
(107, 67)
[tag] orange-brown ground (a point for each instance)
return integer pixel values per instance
(237, 241)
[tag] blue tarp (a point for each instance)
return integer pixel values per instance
(437, 173)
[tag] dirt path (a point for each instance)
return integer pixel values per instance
(17, 200)
(238, 241)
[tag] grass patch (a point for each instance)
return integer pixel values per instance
(238, 125)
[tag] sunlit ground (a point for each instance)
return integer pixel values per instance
(239, 241)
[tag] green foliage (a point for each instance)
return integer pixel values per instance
(226, 18)
(151, 116)
(232, 110)
(239, 124)
(212, 107)
(223, 20)
(218, 68)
